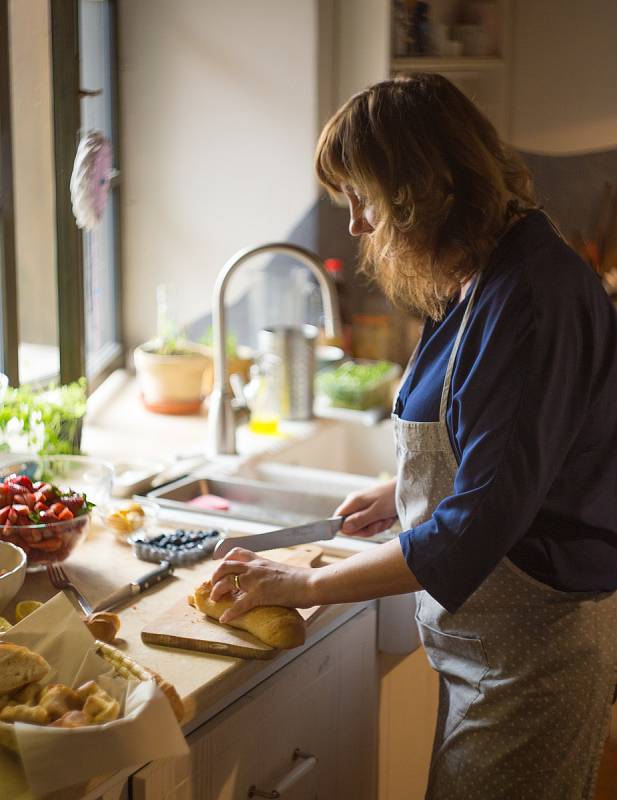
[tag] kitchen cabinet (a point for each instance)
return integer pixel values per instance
(312, 726)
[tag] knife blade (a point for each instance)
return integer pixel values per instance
(129, 590)
(284, 537)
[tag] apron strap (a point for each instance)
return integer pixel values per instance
(445, 392)
(408, 368)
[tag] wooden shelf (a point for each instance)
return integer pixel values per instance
(444, 64)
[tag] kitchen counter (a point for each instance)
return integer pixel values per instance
(207, 683)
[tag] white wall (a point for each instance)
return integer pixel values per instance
(564, 79)
(362, 46)
(219, 113)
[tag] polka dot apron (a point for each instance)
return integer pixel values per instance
(526, 672)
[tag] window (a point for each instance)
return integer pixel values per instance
(59, 287)
(101, 285)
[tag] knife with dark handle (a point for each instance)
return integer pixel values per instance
(130, 590)
(284, 537)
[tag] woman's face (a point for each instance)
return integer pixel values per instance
(362, 217)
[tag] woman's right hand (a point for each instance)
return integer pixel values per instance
(370, 511)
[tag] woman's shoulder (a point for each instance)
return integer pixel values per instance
(534, 265)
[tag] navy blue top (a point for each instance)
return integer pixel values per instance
(532, 417)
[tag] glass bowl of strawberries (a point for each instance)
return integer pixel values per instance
(46, 503)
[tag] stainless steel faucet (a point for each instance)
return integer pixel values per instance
(221, 416)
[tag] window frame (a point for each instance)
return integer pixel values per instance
(8, 283)
(66, 114)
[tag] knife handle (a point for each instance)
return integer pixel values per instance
(156, 576)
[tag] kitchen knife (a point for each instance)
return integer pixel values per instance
(124, 593)
(285, 537)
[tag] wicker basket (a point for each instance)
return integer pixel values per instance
(125, 667)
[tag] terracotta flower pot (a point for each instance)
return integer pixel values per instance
(172, 384)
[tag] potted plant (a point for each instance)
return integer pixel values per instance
(44, 421)
(170, 368)
(171, 375)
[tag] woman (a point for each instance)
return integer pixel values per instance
(506, 438)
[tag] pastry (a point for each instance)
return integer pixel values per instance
(57, 699)
(276, 626)
(72, 719)
(35, 715)
(101, 707)
(28, 695)
(86, 689)
(19, 666)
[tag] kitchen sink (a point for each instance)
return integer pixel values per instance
(347, 448)
(297, 481)
(258, 501)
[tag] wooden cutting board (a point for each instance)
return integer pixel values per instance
(186, 627)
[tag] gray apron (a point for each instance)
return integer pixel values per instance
(526, 672)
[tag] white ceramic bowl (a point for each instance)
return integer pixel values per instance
(13, 560)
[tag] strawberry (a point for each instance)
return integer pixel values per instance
(48, 516)
(13, 489)
(40, 506)
(23, 480)
(29, 500)
(65, 514)
(12, 516)
(4, 513)
(57, 508)
(74, 502)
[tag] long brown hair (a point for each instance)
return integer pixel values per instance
(441, 181)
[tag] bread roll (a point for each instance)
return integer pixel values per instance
(19, 666)
(103, 625)
(276, 626)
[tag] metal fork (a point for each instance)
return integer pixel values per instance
(60, 580)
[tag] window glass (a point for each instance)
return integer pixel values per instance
(100, 268)
(33, 180)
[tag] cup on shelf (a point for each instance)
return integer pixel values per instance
(473, 39)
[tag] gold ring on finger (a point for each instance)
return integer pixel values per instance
(237, 582)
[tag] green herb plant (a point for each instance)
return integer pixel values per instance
(46, 422)
(231, 342)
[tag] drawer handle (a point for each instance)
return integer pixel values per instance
(305, 763)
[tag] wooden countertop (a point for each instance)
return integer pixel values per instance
(207, 683)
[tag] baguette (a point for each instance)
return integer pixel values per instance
(19, 666)
(276, 626)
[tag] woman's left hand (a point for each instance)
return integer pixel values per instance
(262, 583)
